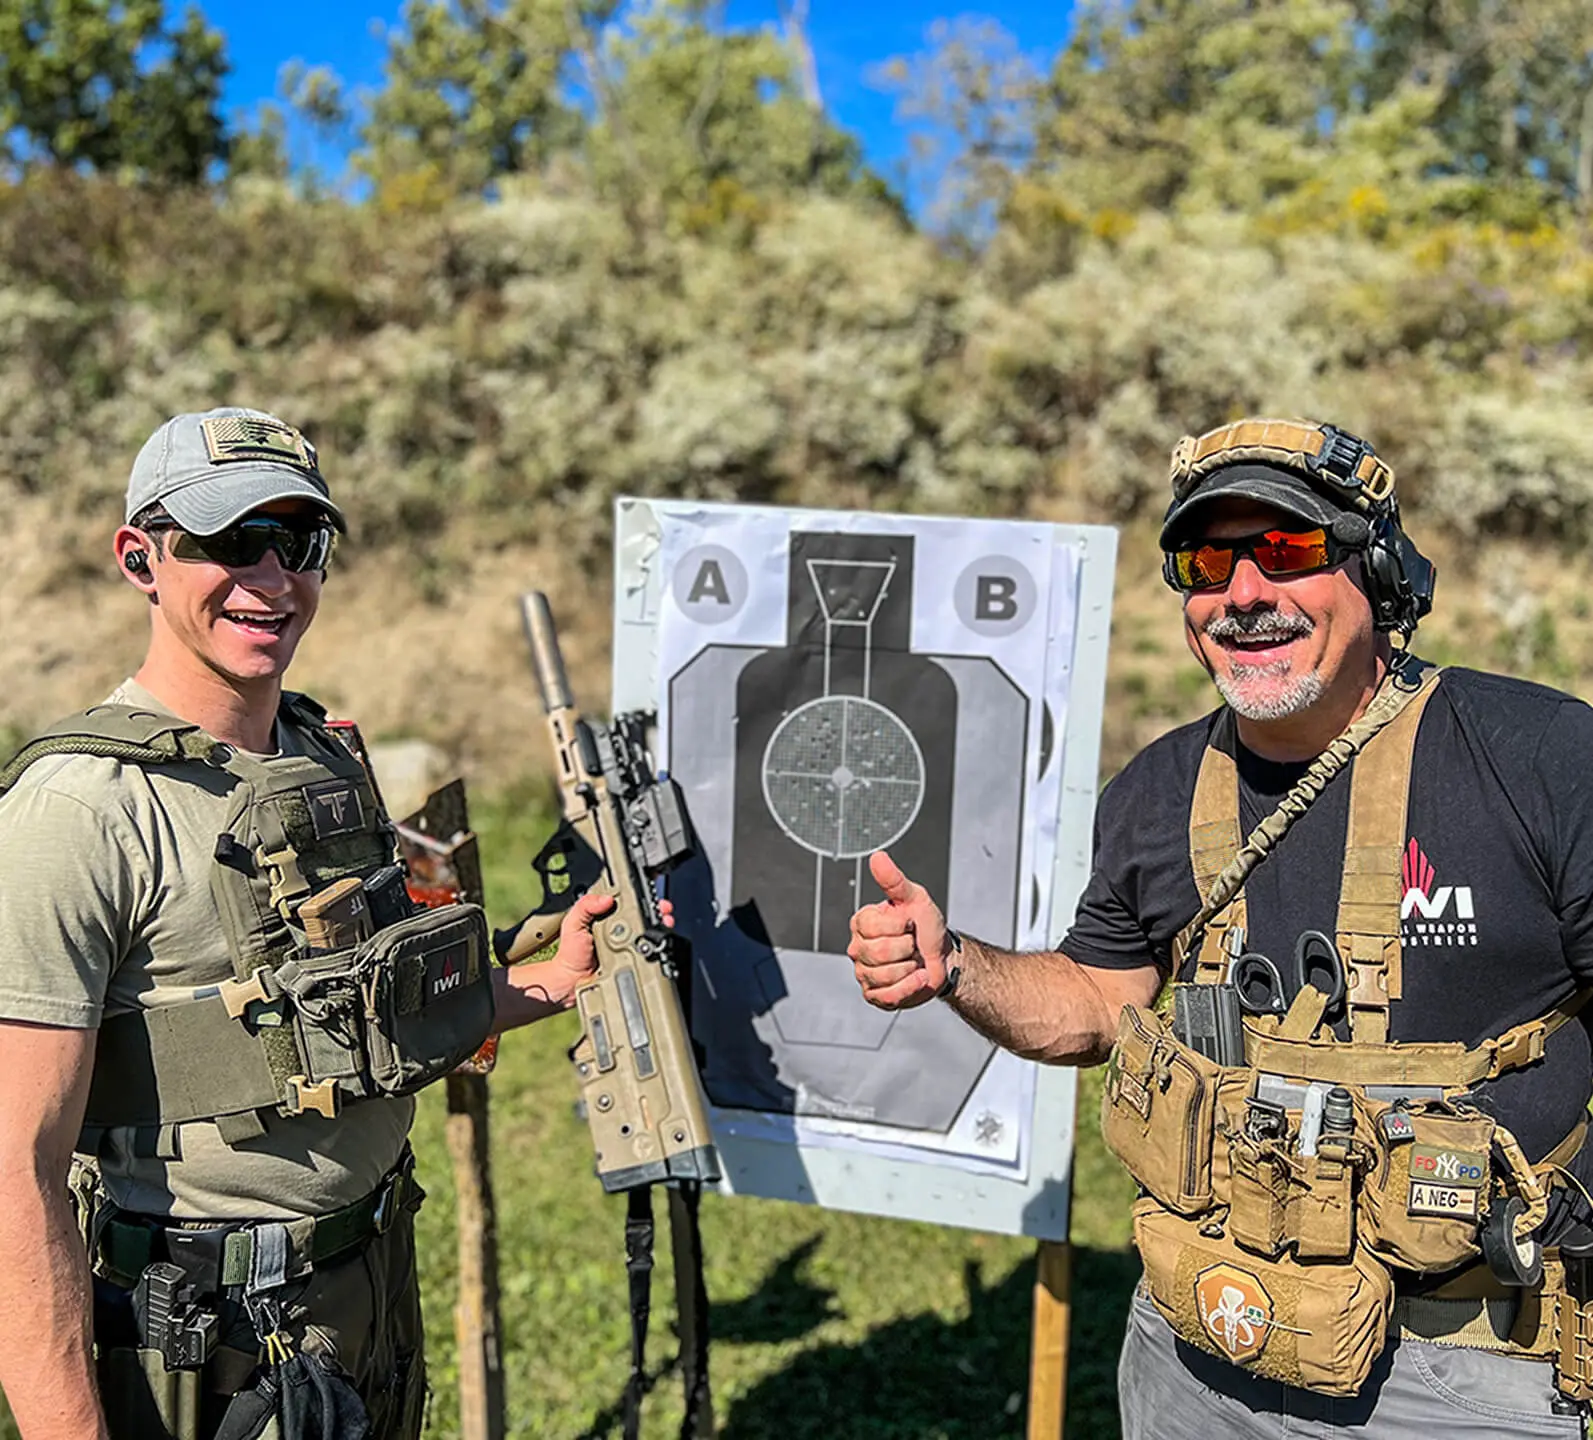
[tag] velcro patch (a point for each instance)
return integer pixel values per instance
(1132, 1091)
(447, 970)
(1429, 1199)
(335, 808)
(1467, 1169)
(1235, 1310)
(230, 438)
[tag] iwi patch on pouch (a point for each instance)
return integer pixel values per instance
(448, 970)
(1427, 1198)
(230, 438)
(335, 808)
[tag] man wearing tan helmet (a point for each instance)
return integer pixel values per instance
(1357, 1128)
(213, 986)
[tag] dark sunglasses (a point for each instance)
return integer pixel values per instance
(1279, 554)
(300, 546)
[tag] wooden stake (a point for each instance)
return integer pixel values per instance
(444, 865)
(1048, 1354)
(1053, 1307)
(481, 1406)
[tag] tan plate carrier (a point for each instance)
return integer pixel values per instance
(1285, 1263)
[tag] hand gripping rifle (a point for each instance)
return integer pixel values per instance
(638, 1075)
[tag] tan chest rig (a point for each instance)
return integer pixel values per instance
(1279, 1252)
(297, 1027)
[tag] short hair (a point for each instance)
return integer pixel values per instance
(152, 520)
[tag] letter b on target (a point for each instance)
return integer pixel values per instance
(995, 596)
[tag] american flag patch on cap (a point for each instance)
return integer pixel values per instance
(244, 437)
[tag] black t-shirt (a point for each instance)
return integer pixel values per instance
(1497, 923)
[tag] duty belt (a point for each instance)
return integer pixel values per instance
(222, 1255)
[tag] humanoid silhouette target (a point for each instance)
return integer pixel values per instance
(829, 685)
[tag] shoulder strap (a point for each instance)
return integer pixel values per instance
(1407, 679)
(1371, 892)
(1214, 839)
(302, 710)
(116, 732)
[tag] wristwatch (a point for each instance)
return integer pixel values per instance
(948, 986)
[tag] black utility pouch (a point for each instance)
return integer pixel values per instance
(428, 996)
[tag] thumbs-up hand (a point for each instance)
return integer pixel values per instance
(899, 944)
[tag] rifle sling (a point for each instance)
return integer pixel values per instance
(691, 1305)
(639, 1269)
(1408, 679)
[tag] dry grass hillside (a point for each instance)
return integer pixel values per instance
(483, 379)
(434, 650)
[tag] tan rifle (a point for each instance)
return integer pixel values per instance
(622, 828)
(640, 1088)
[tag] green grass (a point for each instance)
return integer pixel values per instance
(827, 1326)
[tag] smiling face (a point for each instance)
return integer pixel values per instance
(1281, 648)
(241, 623)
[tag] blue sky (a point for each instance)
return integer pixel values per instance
(847, 39)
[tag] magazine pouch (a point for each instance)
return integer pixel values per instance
(1259, 1183)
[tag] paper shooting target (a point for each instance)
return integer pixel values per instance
(829, 683)
(843, 776)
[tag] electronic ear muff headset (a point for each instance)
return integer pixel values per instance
(1399, 578)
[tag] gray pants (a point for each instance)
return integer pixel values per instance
(1418, 1391)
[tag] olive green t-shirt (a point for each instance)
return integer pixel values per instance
(106, 906)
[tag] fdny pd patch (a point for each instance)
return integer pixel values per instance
(1446, 1182)
(230, 438)
(1235, 1310)
(1466, 1168)
(335, 809)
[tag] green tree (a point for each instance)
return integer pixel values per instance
(1512, 83)
(312, 114)
(111, 85)
(1229, 99)
(693, 111)
(1242, 104)
(973, 99)
(476, 89)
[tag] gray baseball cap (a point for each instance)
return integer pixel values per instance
(211, 470)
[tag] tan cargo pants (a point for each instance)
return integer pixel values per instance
(364, 1310)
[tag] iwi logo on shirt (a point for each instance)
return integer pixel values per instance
(1430, 913)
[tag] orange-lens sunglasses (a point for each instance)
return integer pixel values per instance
(1277, 553)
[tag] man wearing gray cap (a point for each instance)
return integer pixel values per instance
(1357, 1127)
(213, 984)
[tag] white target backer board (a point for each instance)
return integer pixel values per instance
(829, 683)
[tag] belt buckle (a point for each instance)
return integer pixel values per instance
(391, 1191)
(386, 1205)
